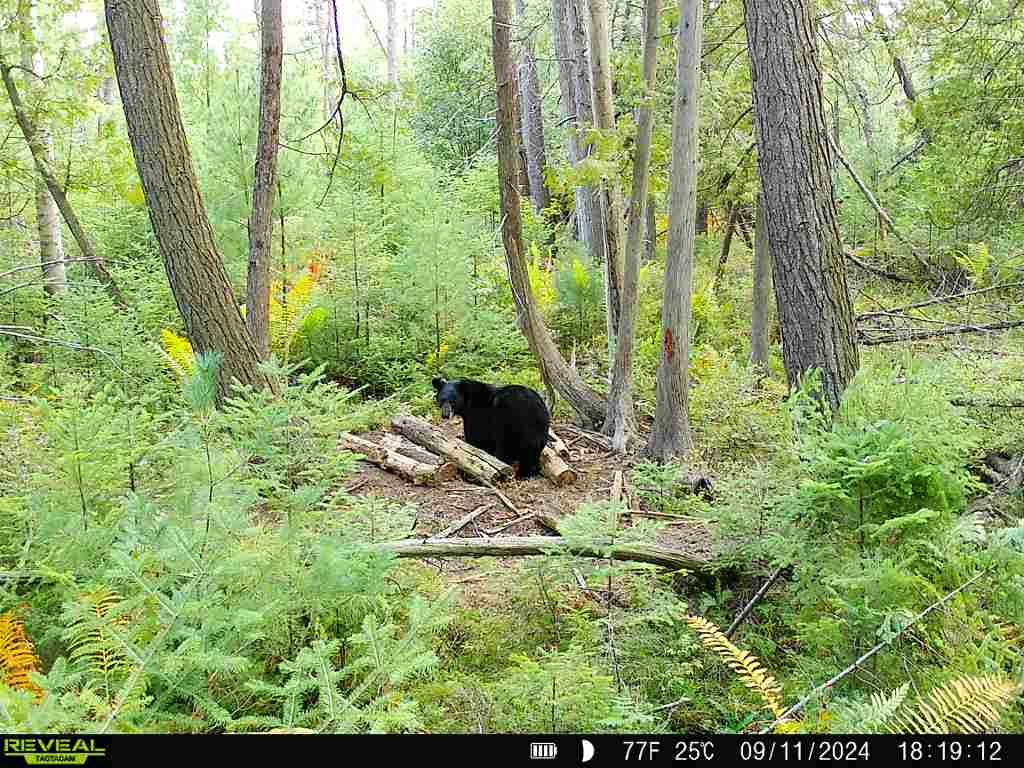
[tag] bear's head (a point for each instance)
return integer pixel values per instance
(457, 396)
(450, 398)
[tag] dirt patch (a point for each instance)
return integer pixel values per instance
(440, 507)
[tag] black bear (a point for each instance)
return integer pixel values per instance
(510, 423)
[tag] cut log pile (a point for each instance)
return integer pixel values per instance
(423, 454)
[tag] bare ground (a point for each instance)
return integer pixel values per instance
(440, 507)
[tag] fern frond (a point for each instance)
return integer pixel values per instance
(744, 663)
(178, 351)
(969, 704)
(18, 656)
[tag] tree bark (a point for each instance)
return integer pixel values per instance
(532, 117)
(194, 268)
(761, 300)
(557, 375)
(28, 130)
(51, 241)
(670, 436)
(261, 220)
(815, 310)
(611, 196)
(651, 229)
(620, 420)
(564, 23)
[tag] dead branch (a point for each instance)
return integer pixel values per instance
(463, 521)
(939, 300)
(954, 330)
(742, 615)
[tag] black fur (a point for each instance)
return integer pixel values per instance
(510, 423)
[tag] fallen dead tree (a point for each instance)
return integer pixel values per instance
(521, 546)
(472, 461)
(892, 337)
(417, 472)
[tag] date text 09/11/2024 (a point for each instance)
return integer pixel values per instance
(942, 749)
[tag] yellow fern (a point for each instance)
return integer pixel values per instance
(744, 663)
(18, 656)
(289, 308)
(968, 704)
(180, 356)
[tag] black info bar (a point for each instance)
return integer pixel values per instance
(295, 747)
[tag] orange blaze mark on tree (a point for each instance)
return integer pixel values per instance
(669, 344)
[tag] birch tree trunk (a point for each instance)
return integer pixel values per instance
(261, 221)
(592, 224)
(650, 228)
(392, 41)
(611, 197)
(761, 300)
(532, 116)
(563, 23)
(619, 421)
(51, 241)
(670, 437)
(194, 268)
(815, 310)
(557, 375)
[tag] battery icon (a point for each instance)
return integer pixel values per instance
(543, 750)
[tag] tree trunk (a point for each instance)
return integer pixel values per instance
(761, 300)
(261, 220)
(392, 40)
(557, 375)
(51, 241)
(328, 56)
(532, 117)
(620, 420)
(611, 197)
(593, 220)
(564, 21)
(89, 255)
(194, 268)
(650, 229)
(670, 436)
(815, 310)
(723, 256)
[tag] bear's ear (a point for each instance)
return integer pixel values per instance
(438, 382)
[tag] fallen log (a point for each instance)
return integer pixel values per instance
(940, 300)
(954, 330)
(405, 447)
(410, 469)
(472, 461)
(520, 546)
(556, 470)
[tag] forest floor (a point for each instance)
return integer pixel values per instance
(596, 467)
